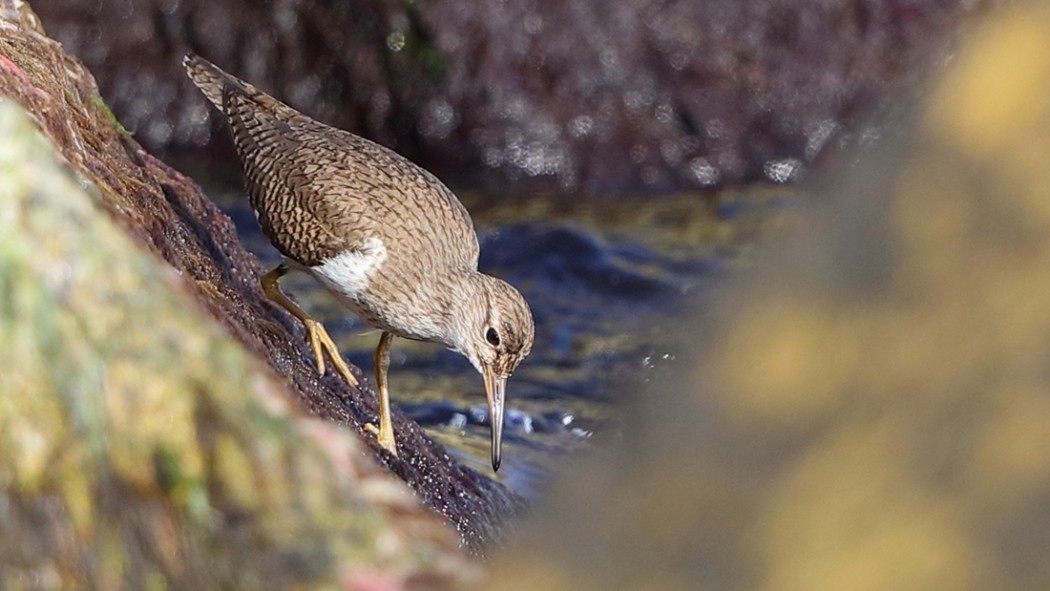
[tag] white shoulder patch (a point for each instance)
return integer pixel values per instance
(348, 273)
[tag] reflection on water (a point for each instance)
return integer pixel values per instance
(603, 280)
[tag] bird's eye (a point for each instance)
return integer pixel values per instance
(492, 337)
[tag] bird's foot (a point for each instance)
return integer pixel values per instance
(384, 436)
(319, 338)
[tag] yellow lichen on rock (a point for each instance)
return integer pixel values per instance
(157, 447)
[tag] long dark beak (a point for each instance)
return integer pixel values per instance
(494, 389)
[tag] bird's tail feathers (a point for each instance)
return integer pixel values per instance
(214, 82)
(211, 79)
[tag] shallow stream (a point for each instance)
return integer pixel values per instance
(603, 279)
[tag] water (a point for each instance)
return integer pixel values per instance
(603, 279)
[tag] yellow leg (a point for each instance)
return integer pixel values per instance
(385, 432)
(315, 330)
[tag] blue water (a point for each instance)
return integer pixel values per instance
(603, 282)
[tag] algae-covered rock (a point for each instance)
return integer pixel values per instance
(142, 446)
(154, 410)
(167, 214)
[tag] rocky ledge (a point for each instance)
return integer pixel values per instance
(158, 417)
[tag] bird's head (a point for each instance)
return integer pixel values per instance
(495, 333)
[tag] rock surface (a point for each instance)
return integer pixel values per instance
(179, 243)
(581, 94)
(141, 444)
(870, 411)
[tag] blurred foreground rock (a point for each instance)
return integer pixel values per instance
(608, 98)
(142, 440)
(872, 411)
(143, 447)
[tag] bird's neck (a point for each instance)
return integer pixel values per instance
(467, 307)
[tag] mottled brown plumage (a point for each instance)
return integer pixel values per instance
(386, 237)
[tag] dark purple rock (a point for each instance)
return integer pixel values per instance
(585, 95)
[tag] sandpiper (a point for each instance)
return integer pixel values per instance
(384, 236)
